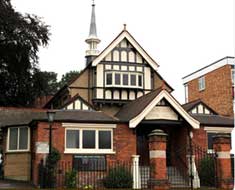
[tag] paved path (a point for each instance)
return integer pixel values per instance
(10, 184)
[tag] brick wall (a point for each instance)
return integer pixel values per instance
(124, 144)
(218, 91)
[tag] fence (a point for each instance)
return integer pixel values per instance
(93, 174)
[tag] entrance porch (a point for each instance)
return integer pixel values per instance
(177, 143)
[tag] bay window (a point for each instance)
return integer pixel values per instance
(18, 139)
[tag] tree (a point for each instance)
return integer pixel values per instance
(20, 39)
(45, 83)
(68, 77)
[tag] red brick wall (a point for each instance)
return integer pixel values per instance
(124, 144)
(200, 137)
(218, 91)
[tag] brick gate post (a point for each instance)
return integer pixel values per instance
(222, 146)
(157, 154)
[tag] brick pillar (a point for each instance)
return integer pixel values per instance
(222, 146)
(157, 154)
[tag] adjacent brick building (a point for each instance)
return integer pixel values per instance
(213, 84)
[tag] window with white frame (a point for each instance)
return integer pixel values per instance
(88, 140)
(210, 136)
(233, 76)
(123, 79)
(201, 83)
(18, 139)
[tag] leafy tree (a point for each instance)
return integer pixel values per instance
(20, 38)
(68, 77)
(45, 83)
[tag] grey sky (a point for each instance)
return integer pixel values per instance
(182, 35)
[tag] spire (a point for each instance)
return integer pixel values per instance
(92, 40)
(93, 23)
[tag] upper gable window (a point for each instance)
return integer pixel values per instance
(117, 78)
(131, 57)
(201, 83)
(125, 79)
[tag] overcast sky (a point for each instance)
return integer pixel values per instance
(182, 36)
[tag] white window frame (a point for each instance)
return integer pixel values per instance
(233, 77)
(217, 130)
(121, 79)
(201, 83)
(8, 140)
(95, 150)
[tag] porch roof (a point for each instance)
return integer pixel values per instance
(18, 117)
(135, 111)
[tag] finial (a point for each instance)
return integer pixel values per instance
(93, 2)
(124, 25)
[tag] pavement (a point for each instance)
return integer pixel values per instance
(11, 184)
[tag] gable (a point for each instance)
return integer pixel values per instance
(172, 102)
(125, 41)
(77, 103)
(162, 112)
(124, 52)
(201, 109)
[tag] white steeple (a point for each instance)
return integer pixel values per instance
(92, 40)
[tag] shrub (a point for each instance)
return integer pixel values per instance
(70, 179)
(206, 171)
(118, 177)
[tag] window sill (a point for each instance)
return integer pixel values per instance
(88, 152)
(17, 151)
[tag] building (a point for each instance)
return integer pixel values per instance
(213, 84)
(118, 107)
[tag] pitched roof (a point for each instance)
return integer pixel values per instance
(132, 109)
(190, 105)
(17, 117)
(77, 97)
(125, 34)
(214, 120)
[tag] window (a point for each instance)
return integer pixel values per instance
(117, 78)
(72, 139)
(210, 136)
(133, 80)
(88, 139)
(233, 76)
(18, 139)
(105, 139)
(79, 140)
(109, 77)
(140, 80)
(89, 162)
(201, 83)
(186, 93)
(125, 79)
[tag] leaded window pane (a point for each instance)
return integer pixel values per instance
(133, 80)
(109, 80)
(125, 79)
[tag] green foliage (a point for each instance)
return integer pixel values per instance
(51, 164)
(206, 171)
(70, 179)
(68, 77)
(53, 159)
(118, 177)
(20, 39)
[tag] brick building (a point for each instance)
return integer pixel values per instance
(213, 84)
(118, 107)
